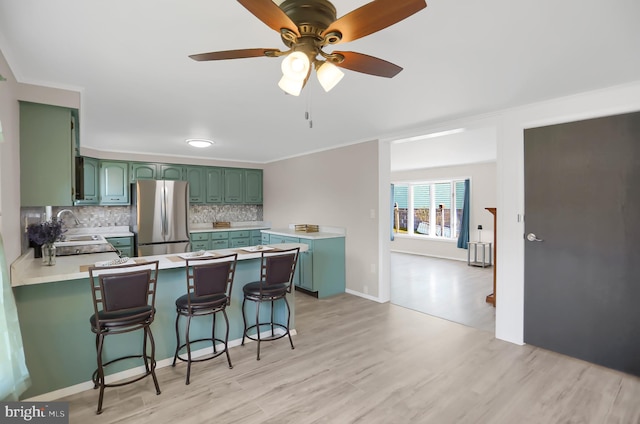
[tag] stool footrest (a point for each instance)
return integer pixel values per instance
(148, 372)
(254, 337)
(199, 359)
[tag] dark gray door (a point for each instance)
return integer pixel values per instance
(582, 275)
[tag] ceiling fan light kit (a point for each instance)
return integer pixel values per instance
(306, 27)
(329, 75)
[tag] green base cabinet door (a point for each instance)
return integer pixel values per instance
(321, 269)
(123, 244)
(200, 241)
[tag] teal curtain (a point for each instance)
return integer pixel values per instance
(14, 376)
(463, 237)
(393, 210)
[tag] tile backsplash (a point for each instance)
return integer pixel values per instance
(109, 216)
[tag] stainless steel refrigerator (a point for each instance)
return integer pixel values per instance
(162, 209)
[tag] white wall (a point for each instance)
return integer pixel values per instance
(9, 164)
(336, 188)
(10, 93)
(483, 195)
(510, 125)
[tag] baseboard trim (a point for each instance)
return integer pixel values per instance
(364, 296)
(81, 387)
(430, 256)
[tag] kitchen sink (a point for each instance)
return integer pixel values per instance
(80, 240)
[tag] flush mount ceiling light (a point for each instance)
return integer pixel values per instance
(199, 142)
(308, 26)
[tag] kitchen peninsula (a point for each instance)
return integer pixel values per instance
(54, 306)
(321, 268)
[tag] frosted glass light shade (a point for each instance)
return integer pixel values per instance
(296, 66)
(329, 75)
(199, 142)
(290, 85)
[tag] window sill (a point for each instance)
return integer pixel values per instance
(424, 238)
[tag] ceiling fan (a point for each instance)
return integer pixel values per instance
(308, 26)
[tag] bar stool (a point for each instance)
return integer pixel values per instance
(123, 301)
(276, 280)
(209, 284)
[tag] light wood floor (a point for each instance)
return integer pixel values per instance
(358, 361)
(443, 288)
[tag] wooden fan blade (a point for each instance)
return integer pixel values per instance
(368, 65)
(373, 17)
(232, 54)
(269, 13)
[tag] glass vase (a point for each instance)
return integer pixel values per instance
(48, 254)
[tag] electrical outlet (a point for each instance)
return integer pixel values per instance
(372, 214)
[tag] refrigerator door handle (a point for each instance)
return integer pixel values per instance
(164, 212)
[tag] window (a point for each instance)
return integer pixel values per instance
(429, 209)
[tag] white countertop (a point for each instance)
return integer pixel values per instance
(117, 231)
(324, 233)
(235, 226)
(27, 270)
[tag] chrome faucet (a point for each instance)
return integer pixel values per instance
(76, 220)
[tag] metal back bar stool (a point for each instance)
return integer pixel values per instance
(123, 301)
(276, 280)
(209, 285)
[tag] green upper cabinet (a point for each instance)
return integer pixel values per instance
(114, 183)
(143, 171)
(215, 185)
(196, 176)
(87, 182)
(253, 186)
(171, 172)
(207, 184)
(46, 155)
(233, 185)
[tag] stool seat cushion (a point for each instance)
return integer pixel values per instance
(201, 302)
(253, 289)
(124, 317)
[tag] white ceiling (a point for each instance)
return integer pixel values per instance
(141, 93)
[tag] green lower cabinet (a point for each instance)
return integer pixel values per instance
(305, 267)
(213, 240)
(219, 240)
(321, 269)
(239, 238)
(256, 238)
(123, 244)
(200, 241)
